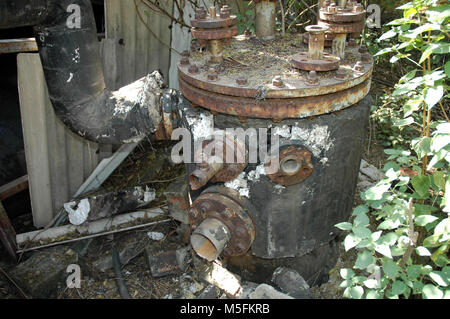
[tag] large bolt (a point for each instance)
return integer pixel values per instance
(212, 74)
(194, 69)
(277, 81)
(359, 67)
(241, 81)
(225, 12)
(351, 43)
(184, 61)
(341, 73)
(200, 13)
(358, 7)
(212, 13)
(312, 78)
(332, 8)
(363, 49)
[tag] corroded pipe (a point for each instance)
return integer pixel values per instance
(210, 239)
(216, 50)
(265, 13)
(339, 44)
(316, 41)
(205, 172)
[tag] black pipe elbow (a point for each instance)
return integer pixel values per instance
(68, 46)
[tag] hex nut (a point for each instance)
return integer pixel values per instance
(184, 61)
(212, 74)
(277, 81)
(359, 67)
(200, 13)
(194, 69)
(241, 81)
(341, 73)
(312, 78)
(351, 43)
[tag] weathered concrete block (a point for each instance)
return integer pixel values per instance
(45, 271)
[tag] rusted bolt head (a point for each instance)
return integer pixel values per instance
(212, 74)
(363, 49)
(277, 81)
(184, 61)
(312, 78)
(341, 73)
(358, 7)
(241, 81)
(225, 12)
(359, 67)
(200, 13)
(194, 69)
(351, 43)
(332, 8)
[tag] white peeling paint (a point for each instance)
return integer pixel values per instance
(255, 175)
(70, 78)
(240, 184)
(202, 126)
(318, 139)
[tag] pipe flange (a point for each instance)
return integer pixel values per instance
(215, 34)
(303, 62)
(294, 165)
(239, 228)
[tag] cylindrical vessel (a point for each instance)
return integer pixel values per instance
(210, 239)
(265, 14)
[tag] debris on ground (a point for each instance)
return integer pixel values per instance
(291, 283)
(265, 291)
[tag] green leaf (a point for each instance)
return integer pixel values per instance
(384, 250)
(361, 209)
(388, 239)
(364, 260)
(424, 220)
(373, 294)
(447, 68)
(361, 232)
(356, 292)
(433, 96)
(391, 269)
(437, 48)
(414, 271)
(421, 184)
(438, 14)
(389, 224)
(388, 35)
(376, 192)
(372, 284)
(439, 142)
(432, 292)
(351, 241)
(344, 226)
(422, 251)
(346, 273)
(439, 278)
(361, 220)
(398, 287)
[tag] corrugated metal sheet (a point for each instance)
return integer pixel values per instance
(137, 51)
(58, 161)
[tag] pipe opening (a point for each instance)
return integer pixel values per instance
(204, 247)
(290, 166)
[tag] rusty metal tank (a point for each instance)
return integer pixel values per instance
(317, 105)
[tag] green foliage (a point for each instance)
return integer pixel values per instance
(404, 254)
(246, 19)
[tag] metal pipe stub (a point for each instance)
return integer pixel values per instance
(315, 59)
(215, 167)
(294, 165)
(265, 19)
(221, 224)
(214, 28)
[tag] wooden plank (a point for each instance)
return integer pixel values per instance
(18, 45)
(14, 187)
(33, 103)
(58, 161)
